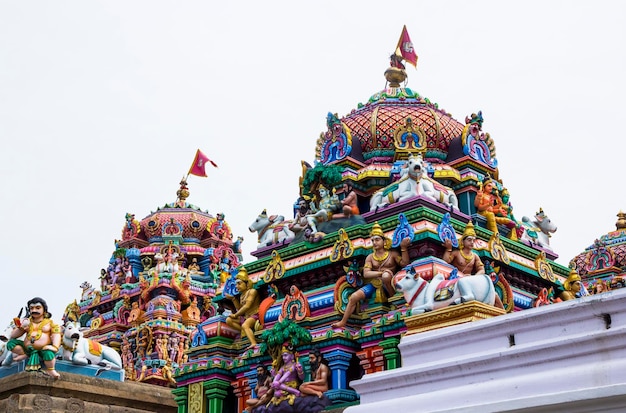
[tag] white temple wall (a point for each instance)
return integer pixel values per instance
(565, 357)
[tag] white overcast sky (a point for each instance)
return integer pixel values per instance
(104, 103)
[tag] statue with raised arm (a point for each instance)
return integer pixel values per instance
(289, 375)
(42, 341)
(489, 204)
(246, 305)
(379, 269)
(464, 259)
(328, 205)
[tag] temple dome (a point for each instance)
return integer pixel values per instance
(376, 122)
(379, 128)
(606, 254)
(178, 221)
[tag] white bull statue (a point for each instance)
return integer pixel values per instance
(423, 296)
(6, 357)
(414, 182)
(271, 229)
(83, 351)
(538, 230)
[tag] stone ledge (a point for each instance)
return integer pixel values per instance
(25, 389)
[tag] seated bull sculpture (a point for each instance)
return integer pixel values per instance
(538, 230)
(83, 351)
(414, 182)
(271, 229)
(423, 296)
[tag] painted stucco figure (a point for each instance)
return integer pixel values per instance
(572, 286)
(247, 306)
(289, 375)
(42, 341)
(422, 296)
(489, 204)
(464, 259)
(379, 268)
(414, 182)
(320, 373)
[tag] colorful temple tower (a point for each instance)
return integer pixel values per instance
(602, 265)
(309, 275)
(398, 166)
(158, 286)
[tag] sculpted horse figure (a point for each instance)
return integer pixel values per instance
(83, 351)
(414, 181)
(271, 229)
(539, 229)
(423, 296)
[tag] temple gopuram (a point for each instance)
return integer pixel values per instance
(602, 265)
(400, 193)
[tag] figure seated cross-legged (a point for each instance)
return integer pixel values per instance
(263, 388)
(489, 204)
(300, 221)
(380, 267)
(42, 341)
(349, 201)
(327, 206)
(320, 374)
(247, 306)
(289, 375)
(464, 259)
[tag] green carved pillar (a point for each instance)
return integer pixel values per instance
(215, 391)
(180, 397)
(391, 353)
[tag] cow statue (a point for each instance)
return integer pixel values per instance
(271, 229)
(414, 181)
(538, 230)
(83, 351)
(423, 296)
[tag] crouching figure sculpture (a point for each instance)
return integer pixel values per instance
(423, 296)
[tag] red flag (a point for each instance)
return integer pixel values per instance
(405, 48)
(199, 164)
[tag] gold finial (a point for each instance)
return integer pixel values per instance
(183, 191)
(621, 220)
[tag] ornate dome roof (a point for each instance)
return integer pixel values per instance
(375, 123)
(607, 251)
(393, 121)
(178, 219)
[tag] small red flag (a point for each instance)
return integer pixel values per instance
(199, 164)
(405, 48)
